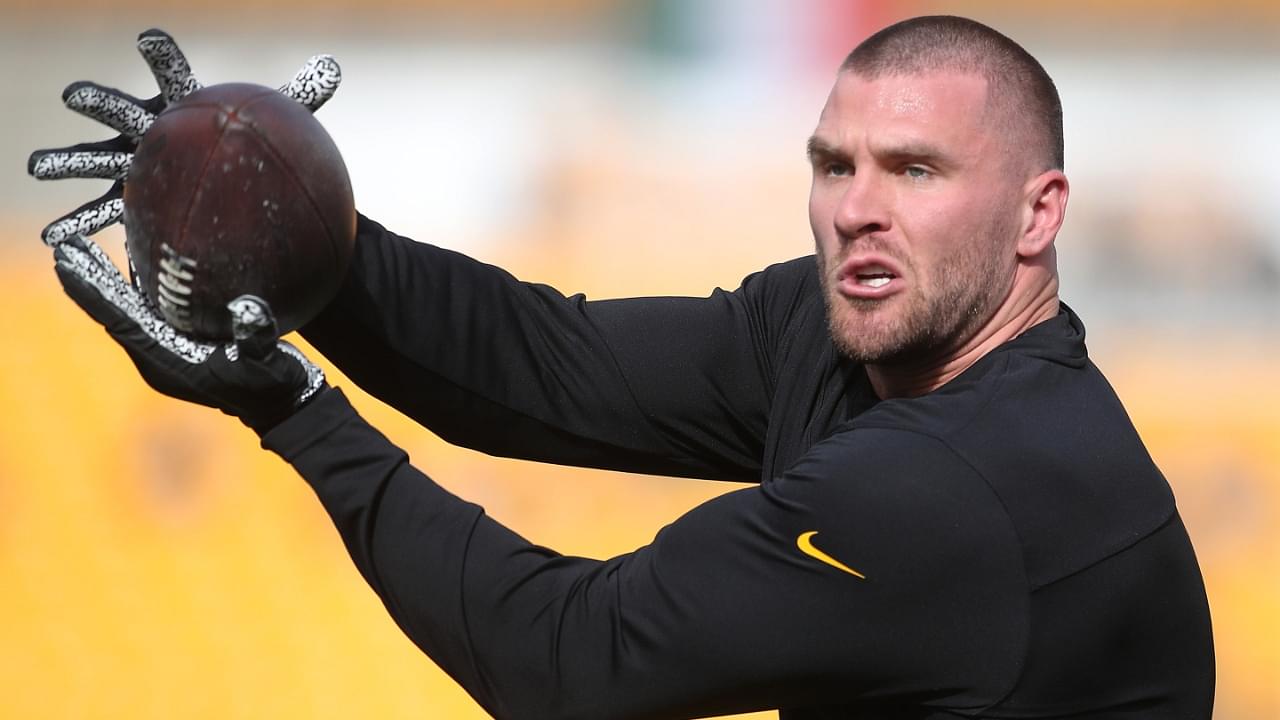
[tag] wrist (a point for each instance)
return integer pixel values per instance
(263, 423)
(321, 415)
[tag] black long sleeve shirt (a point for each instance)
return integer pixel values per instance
(1001, 547)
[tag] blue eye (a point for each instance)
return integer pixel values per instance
(915, 172)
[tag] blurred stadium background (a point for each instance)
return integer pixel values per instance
(154, 563)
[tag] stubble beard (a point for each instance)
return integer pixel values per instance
(929, 322)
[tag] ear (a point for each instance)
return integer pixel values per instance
(1044, 206)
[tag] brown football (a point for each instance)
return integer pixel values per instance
(237, 189)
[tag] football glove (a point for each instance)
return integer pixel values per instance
(258, 378)
(312, 86)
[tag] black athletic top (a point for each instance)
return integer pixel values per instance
(1002, 547)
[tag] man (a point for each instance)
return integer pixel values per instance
(954, 515)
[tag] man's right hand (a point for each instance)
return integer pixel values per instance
(312, 86)
(257, 377)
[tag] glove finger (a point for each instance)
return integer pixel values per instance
(91, 284)
(168, 64)
(88, 218)
(84, 260)
(42, 169)
(315, 82)
(253, 326)
(120, 111)
(85, 253)
(99, 256)
(99, 164)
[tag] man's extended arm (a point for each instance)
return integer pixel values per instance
(676, 386)
(736, 606)
(874, 567)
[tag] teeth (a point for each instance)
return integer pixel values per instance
(874, 282)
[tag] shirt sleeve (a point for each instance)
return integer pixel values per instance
(667, 385)
(877, 570)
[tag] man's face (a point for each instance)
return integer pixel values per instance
(915, 214)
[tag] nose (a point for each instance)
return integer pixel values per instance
(863, 208)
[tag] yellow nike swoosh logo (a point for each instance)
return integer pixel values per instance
(805, 543)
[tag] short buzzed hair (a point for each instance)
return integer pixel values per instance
(1015, 80)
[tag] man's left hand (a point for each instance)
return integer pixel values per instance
(132, 117)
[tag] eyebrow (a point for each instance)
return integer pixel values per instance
(910, 150)
(915, 150)
(816, 147)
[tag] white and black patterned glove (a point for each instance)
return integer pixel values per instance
(257, 378)
(312, 86)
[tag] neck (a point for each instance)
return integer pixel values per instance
(1020, 312)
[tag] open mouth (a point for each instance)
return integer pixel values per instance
(868, 278)
(873, 278)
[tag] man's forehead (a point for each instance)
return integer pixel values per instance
(909, 93)
(926, 99)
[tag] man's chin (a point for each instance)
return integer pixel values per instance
(868, 331)
(866, 339)
(867, 354)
